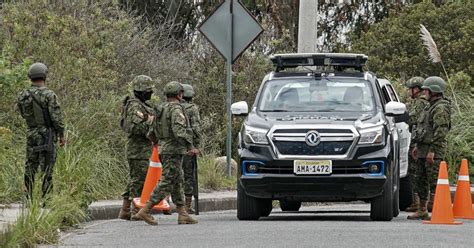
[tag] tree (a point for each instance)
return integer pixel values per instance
(395, 49)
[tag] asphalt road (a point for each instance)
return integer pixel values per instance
(339, 225)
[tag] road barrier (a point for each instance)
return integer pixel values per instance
(462, 207)
(442, 208)
(153, 175)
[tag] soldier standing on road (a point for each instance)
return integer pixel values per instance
(189, 166)
(430, 136)
(137, 118)
(415, 108)
(39, 106)
(172, 129)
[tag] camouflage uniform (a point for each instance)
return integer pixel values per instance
(415, 109)
(176, 141)
(136, 123)
(138, 145)
(431, 133)
(192, 112)
(40, 108)
(430, 136)
(171, 128)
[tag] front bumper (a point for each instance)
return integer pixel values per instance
(313, 188)
(349, 181)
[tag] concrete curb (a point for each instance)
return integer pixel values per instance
(105, 210)
(109, 209)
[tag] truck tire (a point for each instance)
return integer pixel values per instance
(266, 207)
(406, 192)
(290, 205)
(381, 207)
(247, 206)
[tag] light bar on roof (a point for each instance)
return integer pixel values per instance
(343, 60)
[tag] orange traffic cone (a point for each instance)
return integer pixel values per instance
(462, 207)
(152, 177)
(442, 209)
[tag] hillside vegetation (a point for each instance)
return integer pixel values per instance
(94, 48)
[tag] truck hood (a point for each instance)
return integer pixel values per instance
(266, 120)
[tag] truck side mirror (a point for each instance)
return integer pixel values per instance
(240, 108)
(395, 108)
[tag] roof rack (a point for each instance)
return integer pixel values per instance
(339, 61)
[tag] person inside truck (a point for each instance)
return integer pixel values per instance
(319, 92)
(354, 96)
(288, 97)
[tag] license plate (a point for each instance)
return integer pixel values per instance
(312, 167)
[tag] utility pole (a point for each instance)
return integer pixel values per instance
(308, 26)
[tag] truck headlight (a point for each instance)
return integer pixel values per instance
(372, 135)
(255, 135)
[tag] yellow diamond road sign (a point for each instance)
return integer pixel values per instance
(231, 29)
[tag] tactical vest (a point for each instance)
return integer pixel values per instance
(163, 120)
(425, 130)
(32, 109)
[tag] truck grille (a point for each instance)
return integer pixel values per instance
(333, 141)
(324, 148)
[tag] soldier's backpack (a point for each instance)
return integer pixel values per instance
(32, 109)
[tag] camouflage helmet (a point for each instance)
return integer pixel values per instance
(188, 91)
(38, 70)
(173, 88)
(142, 83)
(415, 82)
(434, 84)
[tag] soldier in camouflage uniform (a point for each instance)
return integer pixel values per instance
(137, 118)
(192, 112)
(172, 129)
(430, 137)
(39, 106)
(415, 108)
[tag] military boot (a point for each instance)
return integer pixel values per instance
(184, 217)
(145, 214)
(415, 204)
(124, 213)
(189, 200)
(430, 202)
(422, 213)
(135, 215)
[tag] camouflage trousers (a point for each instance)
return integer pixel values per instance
(188, 169)
(426, 177)
(412, 170)
(137, 169)
(171, 182)
(42, 162)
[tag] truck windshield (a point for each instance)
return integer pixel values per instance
(317, 95)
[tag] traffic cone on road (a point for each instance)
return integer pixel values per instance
(462, 207)
(442, 209)
(152, 177)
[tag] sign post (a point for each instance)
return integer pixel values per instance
(230, 28)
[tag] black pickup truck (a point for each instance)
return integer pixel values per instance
(321, 129)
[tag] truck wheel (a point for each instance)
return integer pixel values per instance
(265, 207)
(406, 192)
(290, 205)
(381, 207)
(247, 206)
